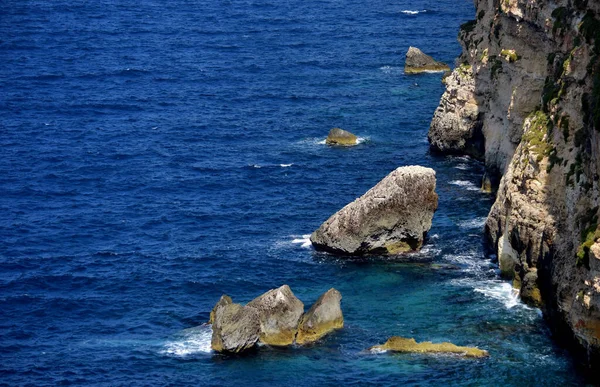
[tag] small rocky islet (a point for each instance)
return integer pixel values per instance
(391, 218)
(341, 137)
(419, 62)
(275, 318)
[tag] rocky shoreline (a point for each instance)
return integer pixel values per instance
(525, 99)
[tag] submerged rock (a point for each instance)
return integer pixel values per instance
(391, 218)
(339, 136)
(418, 62)
(323, 317)
(401, 344)
(279, 313)
(236, 328)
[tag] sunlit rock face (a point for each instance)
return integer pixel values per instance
(391, 218)
(525, 98)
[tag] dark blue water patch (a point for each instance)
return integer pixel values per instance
(157, 155)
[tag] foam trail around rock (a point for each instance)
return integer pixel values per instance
(190, 342)
(359, 140)
(501, 291)
(303, 242)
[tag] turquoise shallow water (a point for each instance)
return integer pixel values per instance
(156, 156)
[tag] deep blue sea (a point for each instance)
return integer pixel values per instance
(155, 155)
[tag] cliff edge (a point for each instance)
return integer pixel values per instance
(525, 99)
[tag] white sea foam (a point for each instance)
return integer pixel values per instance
(501, 291)
(304, 241)
(470, 262)
(286, 165)
(462, 167)
(410, 12)
(391, 69)
(190, 342)
(473, 223)
(469, 186)
(497, 290)
(359, 140)
(429, 250)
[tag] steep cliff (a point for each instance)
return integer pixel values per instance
(525, 98)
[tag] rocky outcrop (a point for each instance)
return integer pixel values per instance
(418, 62)
(456, 125)
(341, 137)
(533, 71)
(323, 317)
(224, 300)
(401, 344)
(236, 328)
(279, 314)
(275, 318)
(585, 315)
(393, 217)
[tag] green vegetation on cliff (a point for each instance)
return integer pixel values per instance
(510, 55)
(588, 238)
(536, 137)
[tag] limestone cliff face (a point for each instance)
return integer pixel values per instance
(529, 80)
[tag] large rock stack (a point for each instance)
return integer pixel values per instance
(391, 218)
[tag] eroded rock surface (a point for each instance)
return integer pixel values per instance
(456, 127)
(322, 318)
(341, 137)
(401, 344)
(236, 328)
(531, 70)
(279, 314)
(275, 318)
(418, 62)
(224, 300)
(391, 218)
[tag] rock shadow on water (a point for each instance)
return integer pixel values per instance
(414, 258)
